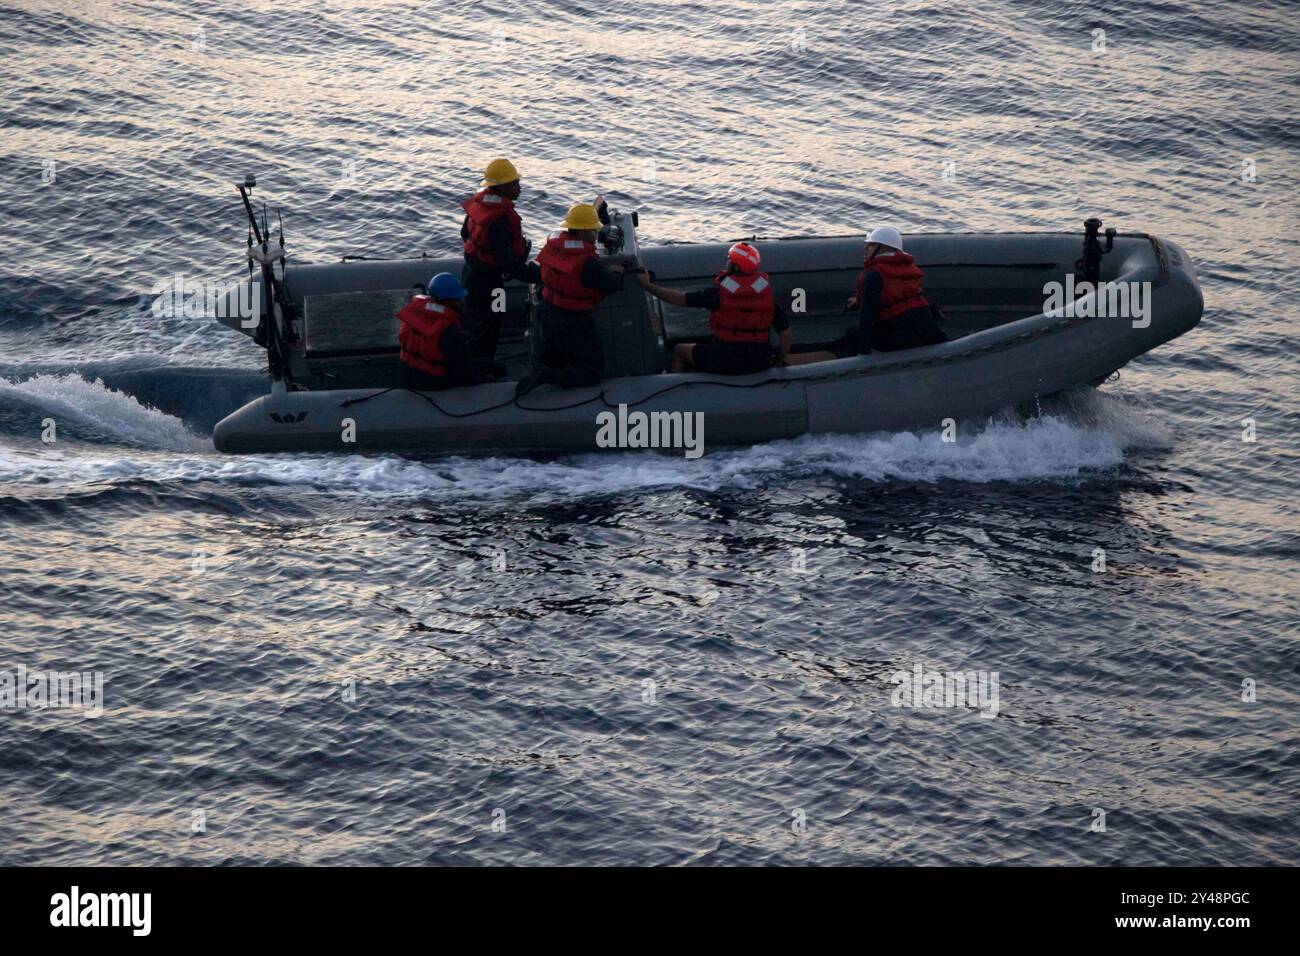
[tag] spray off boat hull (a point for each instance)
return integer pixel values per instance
(994, 363)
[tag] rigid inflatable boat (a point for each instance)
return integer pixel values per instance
(330, 332)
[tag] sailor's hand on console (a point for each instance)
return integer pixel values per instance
(851, 304)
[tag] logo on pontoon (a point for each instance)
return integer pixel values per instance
(288, 418)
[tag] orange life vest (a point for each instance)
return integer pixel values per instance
(561, 260)
(900, 289)
(423, 323)
(746, 306)
(483, 209)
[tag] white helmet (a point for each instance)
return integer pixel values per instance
(886, 236)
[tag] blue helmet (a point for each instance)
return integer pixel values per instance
(446, 286)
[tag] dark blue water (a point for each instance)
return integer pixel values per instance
(628, 658)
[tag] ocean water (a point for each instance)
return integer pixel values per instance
(630, 658)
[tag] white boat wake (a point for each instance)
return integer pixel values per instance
(1086, 433)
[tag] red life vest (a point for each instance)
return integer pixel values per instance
(900, 290)
(423, 323)
(746, 306)
(561, 260)
(483, 209)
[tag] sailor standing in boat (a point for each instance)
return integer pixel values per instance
(434, 351)
(743, 313)
(574, 281)
(495, 250)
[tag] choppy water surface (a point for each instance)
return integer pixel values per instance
(631, 658)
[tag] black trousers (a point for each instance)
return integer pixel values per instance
(482, 325)
(423, 381)
(478, 372)
(568, 351)
(910, 330)
(731, 358)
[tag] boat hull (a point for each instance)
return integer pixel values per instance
(967, 378)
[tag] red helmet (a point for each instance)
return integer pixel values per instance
(744, 256)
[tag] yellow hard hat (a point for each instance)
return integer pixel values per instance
(499, 172)
(582, 217)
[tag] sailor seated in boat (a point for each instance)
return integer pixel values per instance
(893, 312)
(574, 281)
(743, 313)
(434, 351)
